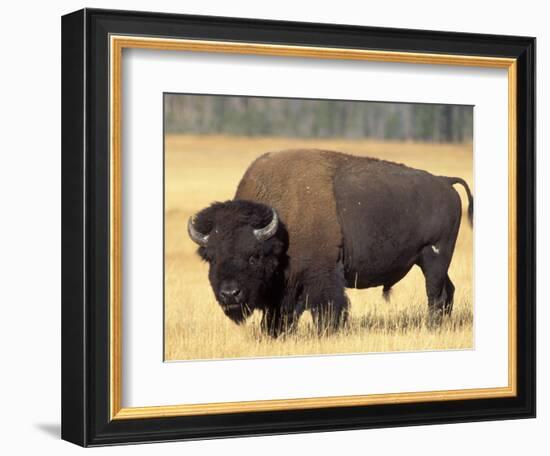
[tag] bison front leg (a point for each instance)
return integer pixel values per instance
(276, 321)
(328, 303)
(330, 314)
(272, 322)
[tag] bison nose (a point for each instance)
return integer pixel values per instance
(230, 290)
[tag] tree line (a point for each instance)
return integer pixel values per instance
(262, 116)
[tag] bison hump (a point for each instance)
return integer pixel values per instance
(299, 185)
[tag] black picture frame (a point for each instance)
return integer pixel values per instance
(85, 228)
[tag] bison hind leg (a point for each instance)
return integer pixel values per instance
(439, 287)
(450, 290)
(386, 293)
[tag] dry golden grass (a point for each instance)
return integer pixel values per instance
(200, 170)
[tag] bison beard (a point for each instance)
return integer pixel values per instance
(306, 224)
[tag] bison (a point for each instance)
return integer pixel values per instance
(306, 224)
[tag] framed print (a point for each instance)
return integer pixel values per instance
(276, 227)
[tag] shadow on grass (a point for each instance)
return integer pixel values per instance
(395, 322)
(403, 322)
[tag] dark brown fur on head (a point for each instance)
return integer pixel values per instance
(243, 270)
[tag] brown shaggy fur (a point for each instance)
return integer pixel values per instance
(299, 179)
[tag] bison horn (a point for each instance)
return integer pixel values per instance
(268, 231)
(196, 236)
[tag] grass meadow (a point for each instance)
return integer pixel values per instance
(203, 169)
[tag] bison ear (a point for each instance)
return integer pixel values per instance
(196, 236)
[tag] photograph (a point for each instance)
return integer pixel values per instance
(298, 227)
(281, 227)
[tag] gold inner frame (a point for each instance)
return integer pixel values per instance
(117, 44)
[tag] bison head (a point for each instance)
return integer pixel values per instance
(245, 246)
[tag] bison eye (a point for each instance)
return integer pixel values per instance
(254, 260)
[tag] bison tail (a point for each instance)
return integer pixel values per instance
(458, 180)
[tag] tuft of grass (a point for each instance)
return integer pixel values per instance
(202, 169)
